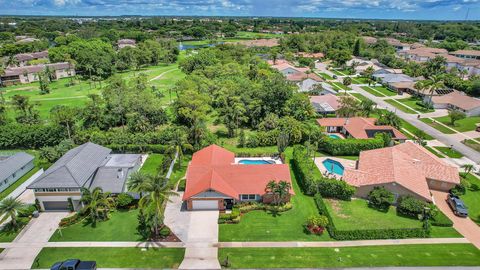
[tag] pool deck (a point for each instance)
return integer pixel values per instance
(277, 160)
(345, 162)
(339, 135)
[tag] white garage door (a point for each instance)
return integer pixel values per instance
(204, 204)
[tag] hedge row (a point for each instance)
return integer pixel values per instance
(137, 148)
(349, 147)
(119, 137)
(311, 183)
(366, 234)
(14, 136)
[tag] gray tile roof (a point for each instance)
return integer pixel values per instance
(110, 179)
(11, 164)
(74, 168)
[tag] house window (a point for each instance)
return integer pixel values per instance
(248, 197)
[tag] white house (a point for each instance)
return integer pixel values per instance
(13, 167)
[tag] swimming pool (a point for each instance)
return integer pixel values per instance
(255, 161)
(333, 166)
(334, 136)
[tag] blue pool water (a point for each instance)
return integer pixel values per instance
(333, 166)
(334, 136)
(255, 161)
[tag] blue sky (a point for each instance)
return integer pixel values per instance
(377, 9)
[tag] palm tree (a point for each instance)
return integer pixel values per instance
(12, 61)
(435, 82)
(270, 189)
(468, 168)
(283, 189)
(367, 107)
(9, 208)
(389, 118)
(136, 179)
(97, 203)
(178, 144)
(156, 192)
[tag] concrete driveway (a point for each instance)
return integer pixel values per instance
(465, 226)
(30, 241)
(199, 232)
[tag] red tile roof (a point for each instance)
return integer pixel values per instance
(406, 164)
(213, 168)
(358, 126)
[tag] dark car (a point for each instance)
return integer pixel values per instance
(457, 205)
(74, 264)
(334, 76)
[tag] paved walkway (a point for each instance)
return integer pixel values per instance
(357, 243)
(161, 75)
(24, 249)
(465, 226)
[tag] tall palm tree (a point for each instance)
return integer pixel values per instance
(367, 107)
(97, 203)
(9, 208)
(468, 168)
(156, 193)
(435, 82)
(283, 189)
(270, 188)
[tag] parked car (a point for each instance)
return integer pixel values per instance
(74, 264)
(457, 205)
(335, 76)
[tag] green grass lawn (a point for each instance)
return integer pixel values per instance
(359, 96)
(405, 125)
(437, 126)
(436, 153)
(412, 103)
(355, 214)
(339, 86)
(151, 164)
(286, 226)
(341, 72)
(472, 197)
(472, 144)
(467, 124)
(180, 170)
(369, 256)
(325, 76)
(122, 226)
(20, 181)
(107, 257)
(359, 80)
(400, 106)
(379, 91)
(451, 153)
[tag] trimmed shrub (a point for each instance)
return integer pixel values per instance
(27, 211)
(349, 147)
(302, 168)
(123, 200)
(409, 206)
(332, 188)
(165, 232)
(380, 198)
(316, 224)
(64, 222)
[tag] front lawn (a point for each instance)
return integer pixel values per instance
(437, 126)
(472, 197)
(339, 86)
(9, 236)
(108, 257)
(368, 256)
(341, 72)
(325, 76)
(122, 226)
(412, 102)
(400, 106)
(356, 215)
(359, 80)
(286, 226)
(472, 144)
(447, 151)
(379, 91)
(467, 124)
(359, 96)
(433, 151)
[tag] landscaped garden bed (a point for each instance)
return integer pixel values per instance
(113, 257)
(368, 256)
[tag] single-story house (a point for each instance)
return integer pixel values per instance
(359, 128)
(457, 100)
(122, 43)
(86, 166)
(13, 167)
(468, 54)
(28, 74)
(404, 169)
(215, 182)
(23, 59)
(393, 78)
(325, 104)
